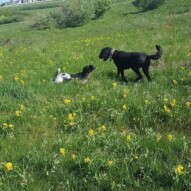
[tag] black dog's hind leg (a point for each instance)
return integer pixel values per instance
(136, 70)
(146, 72)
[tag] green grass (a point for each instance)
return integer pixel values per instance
(141, 146)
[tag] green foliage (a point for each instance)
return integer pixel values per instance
(41, 22)
(100, 7)
(77, 13)
(146, 5)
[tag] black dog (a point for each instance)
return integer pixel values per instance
(134, 60)
(60, 77)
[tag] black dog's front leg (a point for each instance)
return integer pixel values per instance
(123, 77)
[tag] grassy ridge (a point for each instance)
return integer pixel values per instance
(102, 134)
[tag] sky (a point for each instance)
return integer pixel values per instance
(2, 1)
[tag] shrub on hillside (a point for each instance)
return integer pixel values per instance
(145, 5)
(41, 22)
(77, 13)
(100, 7)
(73, 13)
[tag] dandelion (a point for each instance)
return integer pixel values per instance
(110, 163)
(1, 77)
(165, 99)
(188, 104)
(62, 151)
(169, 137)
(92, 97)
(91, 132)
(71, 117)
(174, 81)
(16, 78)
(22, 106)
(102, 128)
(10, 126)
(124, 96)
(166, 109)
(180, 169)
(188, 53)
(17, 113)
(87, 160)
(146, 101)
(5, 125)
(114, 85)
(9, 166)
(124, 107)
(73, 156)
(173, 102)
(136, 157)
(128, 137)
(66, 101)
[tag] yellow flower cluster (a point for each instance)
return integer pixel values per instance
(87, 160)
(66, 101)
(6, 125)
(114, 85)
(62, 151)
(91, 132)
(180, 169)
(102, 128)
(9, 166)
(166, 109)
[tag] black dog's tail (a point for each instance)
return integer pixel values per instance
(158, 54)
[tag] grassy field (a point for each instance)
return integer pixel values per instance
(98, 135)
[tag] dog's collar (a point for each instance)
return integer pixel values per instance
(111, 53)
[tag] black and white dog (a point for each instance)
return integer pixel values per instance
(134, 60)
(60, 77)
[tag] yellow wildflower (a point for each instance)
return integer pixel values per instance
(9, 166)
(66, 101)
(16, 78)
(71, 117)
(188, 104)
(169, 137)
(87, 160)
(173, 102)
(165, 99)
(73, 156)
(136, 157)
(124, 107)
(92, 98)
(1, 77)
(102, 128)
(114, 85)
(17, 113)
(124, 95)
(22, 106)
(128, 137)
(62, 151)
(166, 109)
(174, 81)
(110, 163)
(91, 132)
(10, 126)
(5, 125)
(180, 169)
(146, 101)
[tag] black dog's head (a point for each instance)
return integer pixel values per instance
(88, 69)
(105, 53)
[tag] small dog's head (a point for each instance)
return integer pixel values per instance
(105, 53)
(88, 69)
